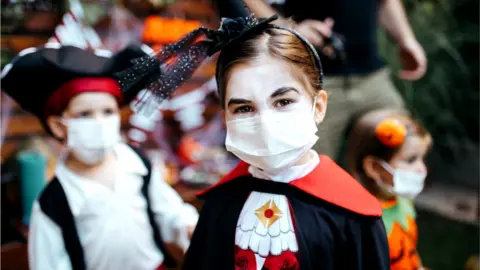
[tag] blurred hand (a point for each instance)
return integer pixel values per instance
(413, 60)
(315, 31)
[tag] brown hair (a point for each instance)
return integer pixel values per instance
(363, 142)
(278, 43)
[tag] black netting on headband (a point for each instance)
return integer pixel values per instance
(164, 71)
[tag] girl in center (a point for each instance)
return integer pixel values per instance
(283, 206)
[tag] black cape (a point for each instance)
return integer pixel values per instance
(329, 236)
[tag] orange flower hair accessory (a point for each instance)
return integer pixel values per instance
(391, 132)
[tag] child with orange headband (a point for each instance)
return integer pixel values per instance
(386, 152)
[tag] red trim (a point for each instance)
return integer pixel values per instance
(59, 100)
(328, 182)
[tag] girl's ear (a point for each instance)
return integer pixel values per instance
(223, 115)
(372, 168)
(321, 106)
(58, 129)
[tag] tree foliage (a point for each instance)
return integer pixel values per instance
(446, 100)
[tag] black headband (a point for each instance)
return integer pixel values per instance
(316, 57)
(257, 30)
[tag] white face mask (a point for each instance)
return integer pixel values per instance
(90, 140)
(406, 183)
(274, 140)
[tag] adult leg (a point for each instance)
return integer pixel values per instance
(375, 91)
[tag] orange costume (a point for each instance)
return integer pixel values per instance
(399, 219)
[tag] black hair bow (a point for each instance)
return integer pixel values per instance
(234, 29)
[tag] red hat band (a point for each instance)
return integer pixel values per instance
(57, 102)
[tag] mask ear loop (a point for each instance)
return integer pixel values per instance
(387, 167)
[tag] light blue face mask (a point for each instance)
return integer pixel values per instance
(90, 140)
(273, 141)
(406, 183)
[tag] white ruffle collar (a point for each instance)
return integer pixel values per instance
(265, 225)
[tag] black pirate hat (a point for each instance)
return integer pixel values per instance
(43, 80)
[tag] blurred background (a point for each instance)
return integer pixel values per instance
(186, 136)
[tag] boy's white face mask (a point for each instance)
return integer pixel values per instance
(273, 141)
(406, 183)
(90, 140)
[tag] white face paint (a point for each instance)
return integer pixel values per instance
(270, 116)
(256, 83)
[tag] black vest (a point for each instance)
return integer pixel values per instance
(54, 204)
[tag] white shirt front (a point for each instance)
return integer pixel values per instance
(276, 234)
(112, 224)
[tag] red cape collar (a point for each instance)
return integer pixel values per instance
(328, 182)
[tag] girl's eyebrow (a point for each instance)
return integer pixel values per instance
(279, 92)
(282, 91)
(238, 101)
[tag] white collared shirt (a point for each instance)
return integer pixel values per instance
(112, 224)
(278, 233)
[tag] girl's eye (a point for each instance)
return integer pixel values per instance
(85, 114)
(282, 103)
(243, 109)
(412, 159)
(108, 111)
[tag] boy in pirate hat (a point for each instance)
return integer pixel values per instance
(105, 209)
